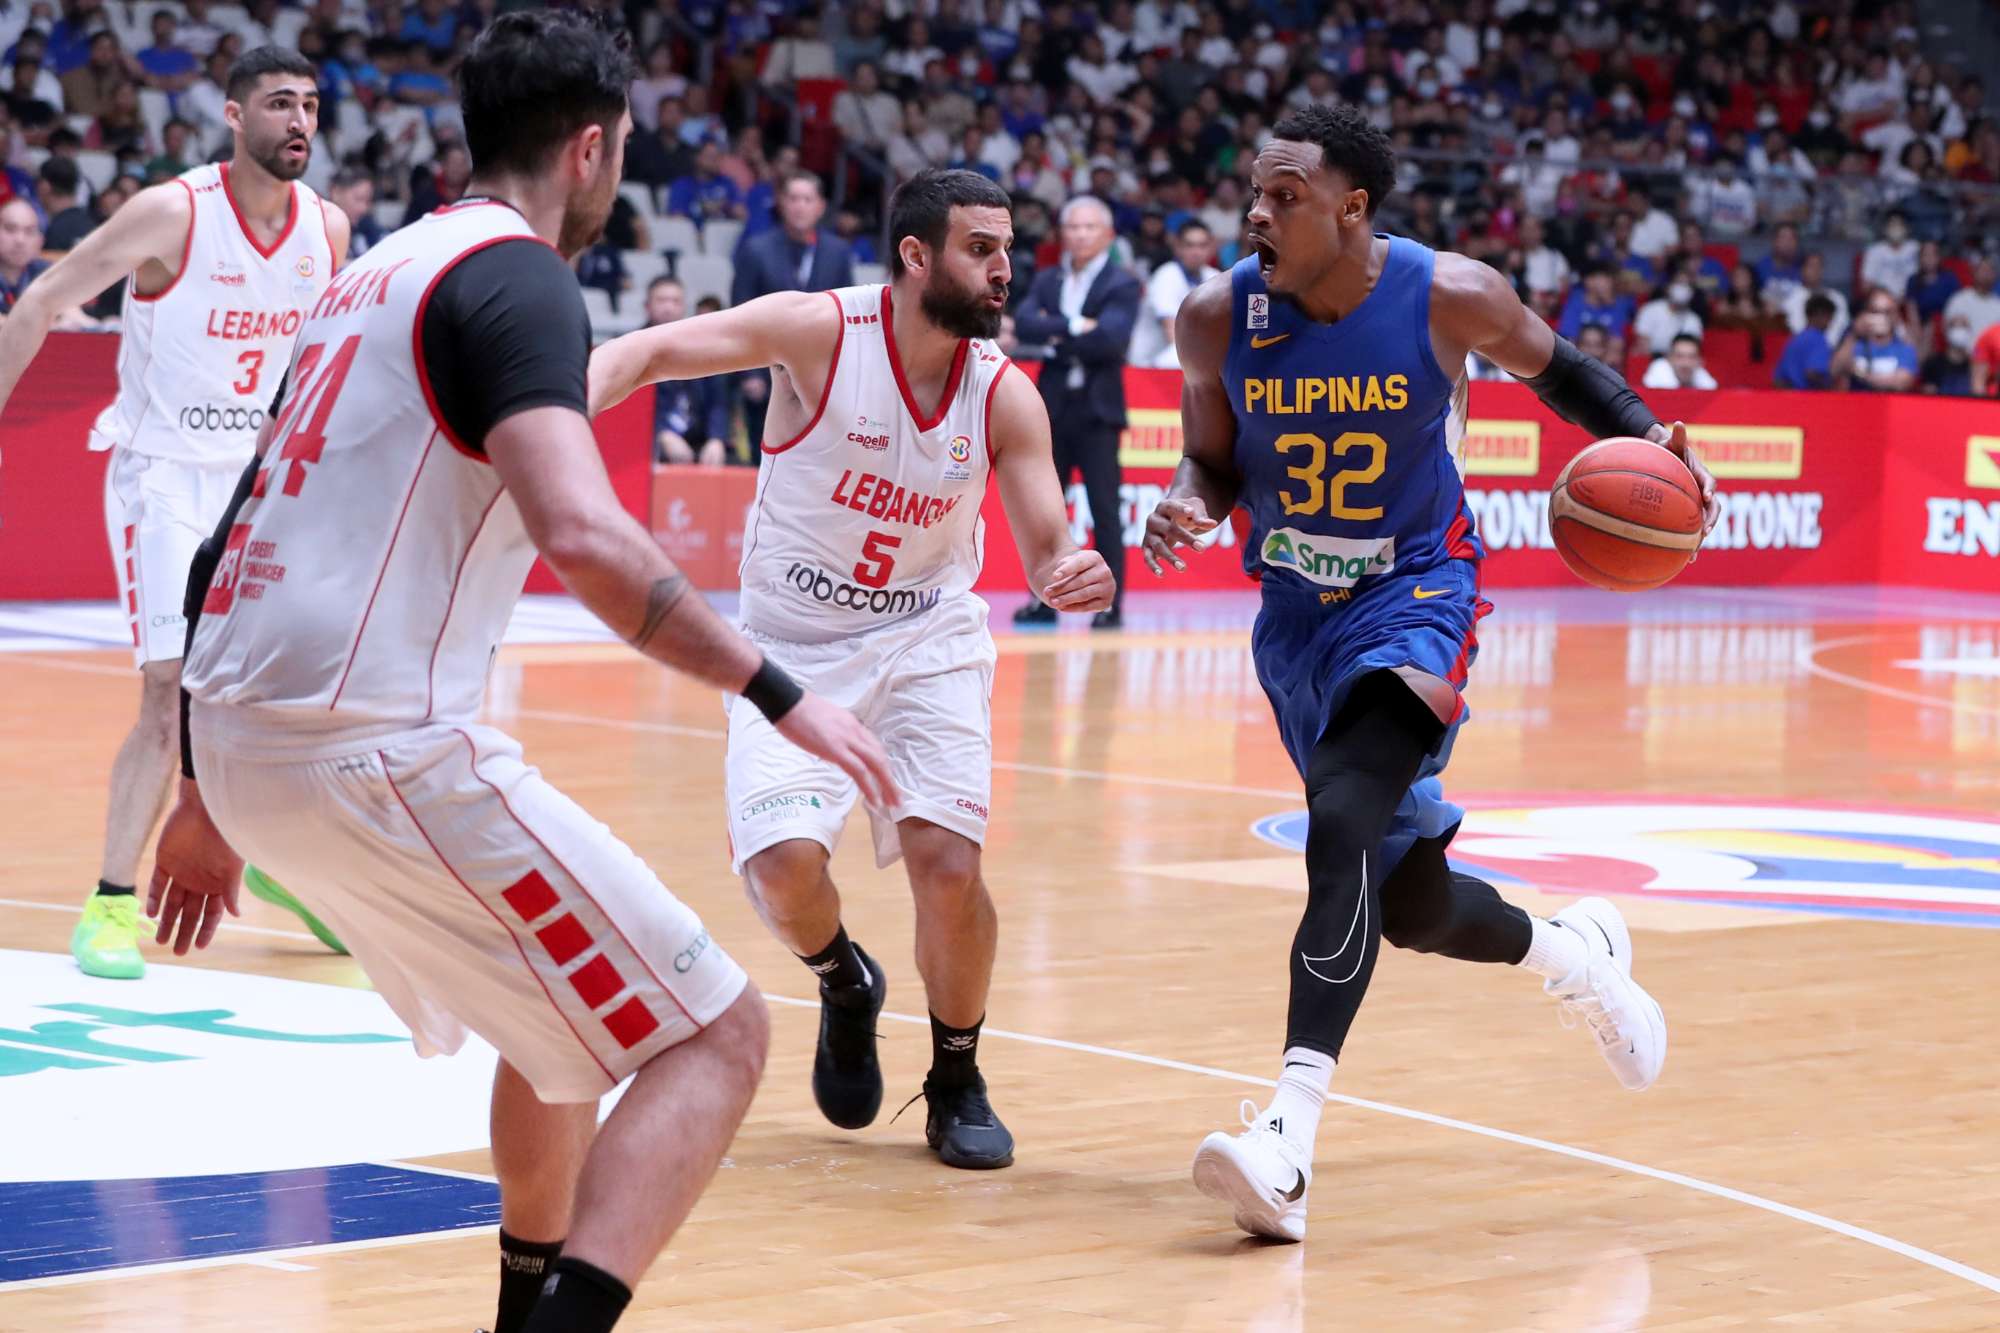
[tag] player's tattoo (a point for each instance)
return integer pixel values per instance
(661, 599)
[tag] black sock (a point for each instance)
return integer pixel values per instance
(106, 889)
(954, 1053)
(524, 1266)
(837, 964)
(578, 1298)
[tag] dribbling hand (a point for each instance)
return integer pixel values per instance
(1081, 581)
(1674, 439)
(835, 735)
(196, 876)
(1175, 521)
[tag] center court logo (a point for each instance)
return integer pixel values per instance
(299, 1071)
(1333, 562)
(1879, 865)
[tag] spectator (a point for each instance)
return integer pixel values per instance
(801, 54)
(661, 81)
(1950, 370)
(20, 251)
(440, 183)
(919, 145)
(119, 128)
(798, 256)
(908, 60)
(864, 114)
(173, 158)
(1984, 380)
(433, 24)
(1596, 301)
(1782, 270)
(1812, 282)
(169, 66)
(1680, 368)
(1871, 356)
(1098, 74)
(859, 39)
(971, 154)
(662, 156)
(1889, 139)
(1730, 204)
(1668, 318)
(89, 89)
(1891, 262)
(34, 95)
(1081, 313)
(353, 193)
(699, 124)
(1546, 272)
(705, 192)
(202, 105)
(1807, 362)
(1742, 306)
(1929, 287)
(60, 188)
(1193, 264)
(690, 417)
(1977, 305)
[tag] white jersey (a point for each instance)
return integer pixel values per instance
(371, 575)
(870, 515)
(199, 361)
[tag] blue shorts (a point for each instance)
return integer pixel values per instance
(1309, 656)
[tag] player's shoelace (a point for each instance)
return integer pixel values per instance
(1588, 1005)
(850, 1033)
(120, 913)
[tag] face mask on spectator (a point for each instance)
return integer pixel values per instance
(1959, 336)
(1767, 118)
(1427, 88)
(968, 65)
(1621, 101)
(1378, 95)
(1679, 293)
(1819, 119)
(1684, 107)
(1588, 9)
(1492, 108)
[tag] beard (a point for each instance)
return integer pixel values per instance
(583, 222)
(960, 312)
(273, 158)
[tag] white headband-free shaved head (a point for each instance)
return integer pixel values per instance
(1086, 201)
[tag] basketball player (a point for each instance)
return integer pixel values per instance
(432, 440)
(1316, 396)
(890, 406)
(221, 264)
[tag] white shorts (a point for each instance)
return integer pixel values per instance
(475, 895)
(156, 511)
(925, 686)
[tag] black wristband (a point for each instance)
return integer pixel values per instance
(772, 691)
(1585, 392)
(187, 747)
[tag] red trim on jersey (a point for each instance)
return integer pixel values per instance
(826, 390)
(581, 886)
(187, 248)
(498, 919)
(291, 218)
(326, 230)
(430, 680)
(951, 379)
(369, 610)
(417, 340)
(991, 389)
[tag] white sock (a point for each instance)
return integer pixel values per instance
(1555, 951)
(1302, 1084)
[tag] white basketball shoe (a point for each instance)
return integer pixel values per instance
(1262, 1175)
(1630, 1028)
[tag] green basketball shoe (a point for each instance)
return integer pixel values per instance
(263, 886)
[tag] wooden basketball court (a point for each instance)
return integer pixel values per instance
(1739, 768)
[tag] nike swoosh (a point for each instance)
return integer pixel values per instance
(1360, 923)
(1607, 939)
(1422, 593)
(1298, 1188)
(1259, 341)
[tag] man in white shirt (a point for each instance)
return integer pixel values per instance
(1728, 202)
(865, 114)
(1888, 140)
(1193, 264)
(1656, 233)
(1812, 282)
(1891, 262)
(1099, 75)
(1667, 319)
(1977, 305)
(1547, 271)
(1680, 368)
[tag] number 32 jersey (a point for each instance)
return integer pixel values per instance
(1347, 434)
(870, 515)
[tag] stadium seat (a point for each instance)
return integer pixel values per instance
(674, 237)
(865, 274)
(720, 237)
(706, 275)
(155, 108)
(98, 167)
(606, 322)
(640, 196)
(641, 267)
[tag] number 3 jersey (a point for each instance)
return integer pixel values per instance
(199, 361)
(870, 515)
(371, 573)
(1347, 434)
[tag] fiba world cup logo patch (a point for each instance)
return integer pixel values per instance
(961, 448)
(305, 266)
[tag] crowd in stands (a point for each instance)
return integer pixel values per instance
(1798, 181)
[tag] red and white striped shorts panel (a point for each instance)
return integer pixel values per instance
(477, 896)
(156, 512)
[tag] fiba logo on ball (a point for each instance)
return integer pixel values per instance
(961, 449)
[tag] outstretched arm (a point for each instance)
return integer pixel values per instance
(796, 330)
(1062, 575)
(1206, 483)
(145, 237)
(1475, 308)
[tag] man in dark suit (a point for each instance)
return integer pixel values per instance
(1081, 312)
(797, 257)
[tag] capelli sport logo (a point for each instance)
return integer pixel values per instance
(870, 434)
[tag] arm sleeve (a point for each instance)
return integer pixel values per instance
(505, 331)
(1585, 392)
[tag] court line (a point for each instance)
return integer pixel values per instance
(52, 664)
(226, 925)
(1833, 1224)
(274, 1259)
(1807, 660)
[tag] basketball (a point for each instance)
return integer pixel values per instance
(1625, 515)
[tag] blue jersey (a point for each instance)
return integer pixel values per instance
(1347, 434)
(1347, 440)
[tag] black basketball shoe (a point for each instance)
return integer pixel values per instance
(961, 1127)
(847, 1078)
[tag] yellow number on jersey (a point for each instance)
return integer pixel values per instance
(1331, 497)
